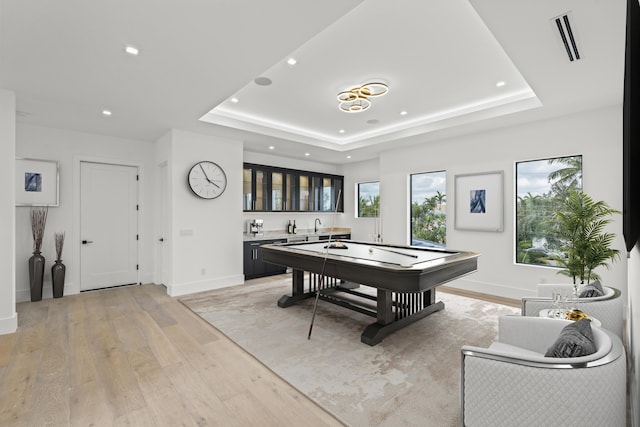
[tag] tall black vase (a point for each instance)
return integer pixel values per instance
(36, 276)
(58, 271)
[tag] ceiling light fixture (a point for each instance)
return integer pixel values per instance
(291, 61)
(403, 113)
(131, 50)
(341, 131)
(500, 84)
(234, 100)
(307, 154)
(106, 112)
(271, 147)
(356, 99)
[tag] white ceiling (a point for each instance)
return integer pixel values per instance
(441, 60)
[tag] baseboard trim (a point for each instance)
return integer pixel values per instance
(24, 295)
(179, 289)
(493, 289)
(512, 302)
(9, 325)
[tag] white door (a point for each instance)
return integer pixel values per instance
(108, 225)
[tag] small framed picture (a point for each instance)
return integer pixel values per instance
(479, 201)
(37, 182)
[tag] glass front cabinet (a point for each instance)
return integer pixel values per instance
(273, 189)
(255, 189)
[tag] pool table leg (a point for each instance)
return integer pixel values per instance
(387, 324)
(297, 290)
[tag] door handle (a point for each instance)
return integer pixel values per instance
(84, 242)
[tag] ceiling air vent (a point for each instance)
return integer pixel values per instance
(566, 34)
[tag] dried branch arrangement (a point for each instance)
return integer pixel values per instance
(38, 222)
(59, 242)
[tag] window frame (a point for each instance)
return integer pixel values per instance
(358, 213)
(546, 251)
(429, 243)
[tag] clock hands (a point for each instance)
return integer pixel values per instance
(207, 180)
(207, 176)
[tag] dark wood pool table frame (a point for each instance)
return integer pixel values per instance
(404, 294)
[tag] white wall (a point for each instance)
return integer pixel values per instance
(206, 235)
(597, 135)
(277, 222)
(69, 148)
(215, 224)
(8, 316)
(364, 229)
(208, 258)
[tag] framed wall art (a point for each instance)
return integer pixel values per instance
(479, 201)
(37, 182)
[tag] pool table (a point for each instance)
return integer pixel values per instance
(403, 277)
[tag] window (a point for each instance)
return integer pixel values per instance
(368, 199)
(541, 187)
(429, 209)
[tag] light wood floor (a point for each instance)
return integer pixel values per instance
(134, 356)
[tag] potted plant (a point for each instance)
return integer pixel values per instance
(36, 262)
(580, 225)
(58, 269)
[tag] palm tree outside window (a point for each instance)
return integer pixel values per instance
(429, 209)
(541, 188)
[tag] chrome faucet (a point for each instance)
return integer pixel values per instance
(315, 225)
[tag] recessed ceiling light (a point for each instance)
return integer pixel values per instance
(271, 147)
(131, 50)
(106, 112)
(500, 84)
(262, 81)
(307, 154)
(291, 61)
(234, 100)
(348, 157)
(341, 131)
(403, 113)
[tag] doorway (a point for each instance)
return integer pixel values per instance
(108, 225)
(163, 261)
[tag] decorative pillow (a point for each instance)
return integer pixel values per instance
(591, 290)
(575, 340)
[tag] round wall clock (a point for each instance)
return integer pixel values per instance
(207, 180)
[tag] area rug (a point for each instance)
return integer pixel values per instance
(412, 378)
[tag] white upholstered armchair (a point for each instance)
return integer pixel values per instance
(511, 383)
(608, 309)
